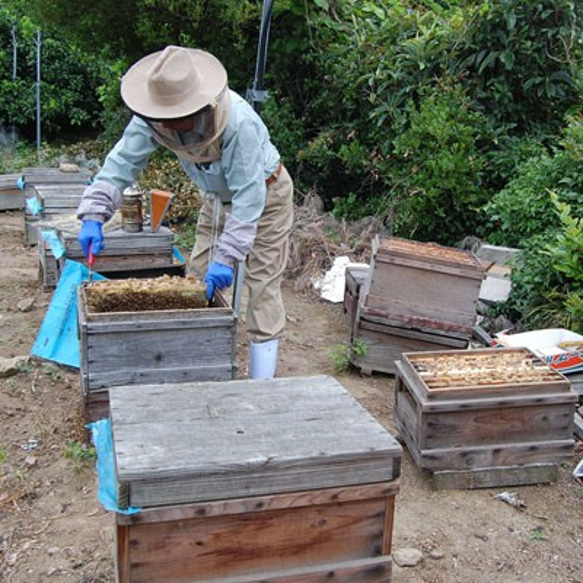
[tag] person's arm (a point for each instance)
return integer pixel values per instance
(121, 168)
(243, 163)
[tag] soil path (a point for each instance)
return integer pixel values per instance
(53, 529)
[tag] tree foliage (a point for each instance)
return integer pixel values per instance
(446, 118)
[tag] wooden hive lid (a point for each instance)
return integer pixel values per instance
(428, 256)
(482, 373)
(207, 441)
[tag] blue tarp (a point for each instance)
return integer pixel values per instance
(107, 489)
(58, 339)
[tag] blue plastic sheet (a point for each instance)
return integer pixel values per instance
(177, 255)
(57, 339)
(107, 484)
(54, 241)
(34, 205)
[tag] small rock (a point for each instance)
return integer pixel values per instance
(30, 460)
(52, 551)
(436, 555)
(68, 167)
(11, 366)
(481, 536)
(407, 557)
(25, 305)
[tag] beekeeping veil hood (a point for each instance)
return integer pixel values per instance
(183, 95)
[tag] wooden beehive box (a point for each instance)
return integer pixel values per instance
(172, 345)
(355, 279)
(484, 418)
(142, 254)
(42, 175)
(423, 286)
(11, 197)
(417, 297)
(45, 202)
(282, 480)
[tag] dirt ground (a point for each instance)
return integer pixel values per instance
(53, 529)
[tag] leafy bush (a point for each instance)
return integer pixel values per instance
(523, 209)
(68, 87)
(437, 166)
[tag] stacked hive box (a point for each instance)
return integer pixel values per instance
(152, 346)
(417, 296)
(46, 202)
(484, 418)
(11, 197)
(355, 279)
(142, 254)
(252, 481)
(41, 175)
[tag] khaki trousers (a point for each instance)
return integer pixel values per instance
(265, 265)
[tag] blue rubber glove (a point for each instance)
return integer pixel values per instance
(91, 237)
(218, 276)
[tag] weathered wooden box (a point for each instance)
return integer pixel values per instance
(11, 196)
(45, 202)
(252, 481)
(423, 286)
(384, 344)
(42, 175)
(164, 346)
(484, 418)
(142, 254)
(355, 279)
(416, 297)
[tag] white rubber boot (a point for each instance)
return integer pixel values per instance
(263, 359)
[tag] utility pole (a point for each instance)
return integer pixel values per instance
(257, 94)
(14, 69)
(38, 110)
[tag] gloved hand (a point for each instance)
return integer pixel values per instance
(91, 237)
(218, 276)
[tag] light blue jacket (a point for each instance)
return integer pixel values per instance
(248, 159)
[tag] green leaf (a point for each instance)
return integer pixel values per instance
(507, 59)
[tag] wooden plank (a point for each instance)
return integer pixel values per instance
(198, 510)
(373, 570)
(254, 543)
(496, 455)
(497, 425)
(423, 264)
(405, 408)
(95, 406)
(191, 372)
(496, 477)
(11, 200)
(383, 348)
(370, 570)
(441, 341)
(415, 316)
(240, 444)
(48, 175)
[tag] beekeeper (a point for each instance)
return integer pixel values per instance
(180, 99)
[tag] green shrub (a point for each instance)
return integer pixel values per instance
(523, 208)
(437, 166)
(547, 281)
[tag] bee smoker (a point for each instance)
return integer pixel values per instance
(131, 210)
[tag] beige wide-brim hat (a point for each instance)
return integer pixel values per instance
(173, 83)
